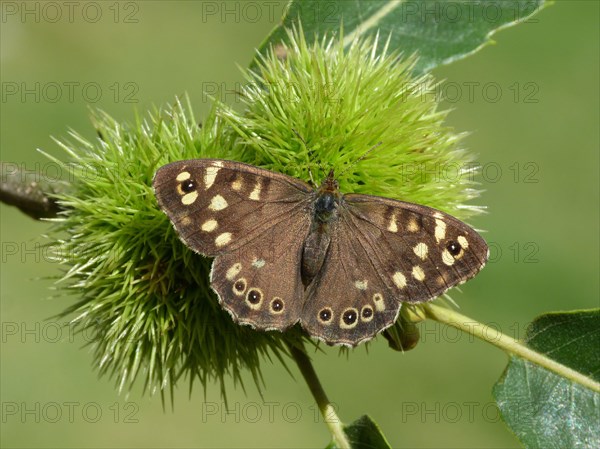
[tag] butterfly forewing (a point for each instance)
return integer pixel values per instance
(437, 250)
(219, 206)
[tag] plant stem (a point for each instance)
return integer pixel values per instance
(28, 191)
(330, 417)
(508, 344)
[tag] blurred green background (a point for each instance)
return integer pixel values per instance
(533, 112)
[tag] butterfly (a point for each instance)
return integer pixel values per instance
(285, 252)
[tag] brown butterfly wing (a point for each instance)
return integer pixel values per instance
(384, 253)
(218, 206)
(254, 221)
(260, 284)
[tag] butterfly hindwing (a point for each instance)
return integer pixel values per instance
(260, 284)
(398, 252)
(350, 301)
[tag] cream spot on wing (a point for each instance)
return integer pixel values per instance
(440, 281)
(184, 175)
(233, 271)
(440, 230)
(258, 263)
(223, 239)
(418, 273)
(210, 176)
(209, 225)
(379, 302)
(237, 184)
(421, 250)
(412, 225)
(447, 258)
(463, 242)
(361, 285)
(189, 198)
(393, 226)
(438, 215)
(399, 279)
(255, 194)
(217, 203)
(186, 221)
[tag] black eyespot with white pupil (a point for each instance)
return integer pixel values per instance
(454, 248)
(277, 305)
(350, 317)
(325, 315)
(187, 186)
(367, 312)
(240, 285)
(254, 296)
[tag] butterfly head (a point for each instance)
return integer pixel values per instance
(330, 184)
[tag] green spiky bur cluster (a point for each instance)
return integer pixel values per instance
(143, 293)
(145, 297)
(342, 102)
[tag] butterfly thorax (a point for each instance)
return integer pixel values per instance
(325, 213)
(327, 200)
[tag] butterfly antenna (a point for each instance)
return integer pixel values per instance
(310, 153)
(365, 154)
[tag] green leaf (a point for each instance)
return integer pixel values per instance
(441, 32)
(365, 434)
(543, 408)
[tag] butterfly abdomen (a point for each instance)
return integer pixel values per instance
(325, 212)
(314, 251)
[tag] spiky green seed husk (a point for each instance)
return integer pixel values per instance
(144, 294)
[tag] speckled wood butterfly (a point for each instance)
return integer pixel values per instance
(287, 253)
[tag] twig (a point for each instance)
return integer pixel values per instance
(508, 344)
(330, 417)
(27, 192)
